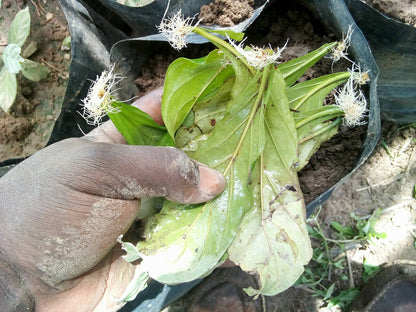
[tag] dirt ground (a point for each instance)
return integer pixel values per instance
(38, 104)
(386, 180)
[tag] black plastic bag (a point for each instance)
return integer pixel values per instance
(394, 47)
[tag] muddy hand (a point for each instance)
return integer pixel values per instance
(63, 209)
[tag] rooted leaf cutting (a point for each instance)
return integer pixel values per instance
(252, 122)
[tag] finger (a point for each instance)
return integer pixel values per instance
(129, 172)
(150, 104)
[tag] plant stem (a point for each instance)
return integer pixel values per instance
(342, 76)
(221, 44)
(254, 108)
(330, 111)
(333, 124)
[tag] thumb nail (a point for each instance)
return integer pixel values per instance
(211, 182)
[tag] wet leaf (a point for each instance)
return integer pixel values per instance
(310, 94)
(258, 129)
(314, 121)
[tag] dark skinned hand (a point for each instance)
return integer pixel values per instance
(63, 209)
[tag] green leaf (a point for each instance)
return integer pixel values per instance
(345, 232)
(369, 270)
(343, 300)
(292, 70)
(20, 28)
(12, 59)
(312, 118)
(34, 71)
(366, 226)
(272, 241)
(8, 89)
(197, 79)
(237, 36)
(185, 242)
(329, 291)
(310, 94)
(67, 42)
(137, 127)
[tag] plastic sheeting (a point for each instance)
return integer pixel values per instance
(394, 47)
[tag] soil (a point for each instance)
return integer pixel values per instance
(226, 12)
(402, 10)
(28, 127)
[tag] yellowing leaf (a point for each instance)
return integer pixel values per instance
(272, 242)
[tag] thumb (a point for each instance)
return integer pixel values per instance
(128, 172)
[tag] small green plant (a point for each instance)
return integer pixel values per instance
(12, 62)
(317, 277)
(369, 270)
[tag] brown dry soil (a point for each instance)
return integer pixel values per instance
(28, 127)
(402, 10)
(226, 12)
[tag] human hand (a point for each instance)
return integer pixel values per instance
(64, 208)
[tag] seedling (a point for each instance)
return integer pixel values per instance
(12, 62)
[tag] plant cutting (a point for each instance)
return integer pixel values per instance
(242, 113)
(12, 62)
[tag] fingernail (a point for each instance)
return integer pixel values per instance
(211, 182)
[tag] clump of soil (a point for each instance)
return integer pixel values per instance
(14, 129)
(28, 127)
(226, 12)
